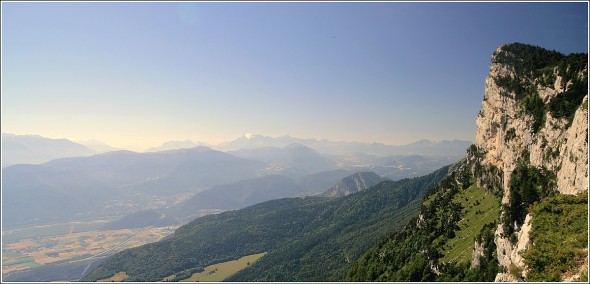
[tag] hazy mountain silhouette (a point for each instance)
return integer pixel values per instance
(120, 181)
(292, 160)
(171, 145)
(34, 149)
(421, 147)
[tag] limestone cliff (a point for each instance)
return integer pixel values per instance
(535, 109)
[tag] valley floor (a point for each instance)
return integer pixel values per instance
(18, 255)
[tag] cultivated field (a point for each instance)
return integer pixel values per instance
(34, 252)
(15, 234)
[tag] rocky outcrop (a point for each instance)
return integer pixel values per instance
(519, 120)
(572, 178)
(354, 183)
(478, 250)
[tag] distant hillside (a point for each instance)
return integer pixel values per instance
(307, 239)
(353, 183)
(293, 160)
(34, 149)
(140, 219)
(113, 183)
(239, 195)
(249, 192)
(318, 182)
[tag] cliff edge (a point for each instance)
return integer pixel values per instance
(534, 115)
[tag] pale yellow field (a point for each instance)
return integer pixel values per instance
(14, 268)
(21, 244)
(218, 272)
(115, 278)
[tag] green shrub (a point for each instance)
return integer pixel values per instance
(510, 134)
(533, 104)
(559, 235)
(566, 103)
(528, 60)
(528, 185)
(534, 65)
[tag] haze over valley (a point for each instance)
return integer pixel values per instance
(177, 182)
(294, 141)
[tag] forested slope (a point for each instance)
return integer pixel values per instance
(307, 239)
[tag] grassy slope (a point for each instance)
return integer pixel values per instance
(559, 236)
(478, 209)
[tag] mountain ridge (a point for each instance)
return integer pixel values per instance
(35, 149)
(324, 146)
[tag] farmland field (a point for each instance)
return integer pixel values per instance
(34, 252)
(14, 235)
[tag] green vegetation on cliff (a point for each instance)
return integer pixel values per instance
(438, 245)
(534, 66)
(559, 237)
(528, 185)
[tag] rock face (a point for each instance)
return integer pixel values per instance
(561, 149)
(520, 119)
(354, 183)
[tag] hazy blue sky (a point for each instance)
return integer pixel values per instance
(137, 74)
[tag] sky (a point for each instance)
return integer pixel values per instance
(137, 74)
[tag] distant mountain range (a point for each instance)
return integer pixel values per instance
(120, 182)
(114, 183)
(34, 149)
(421, 147)
(171, 145)
(123, 182)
